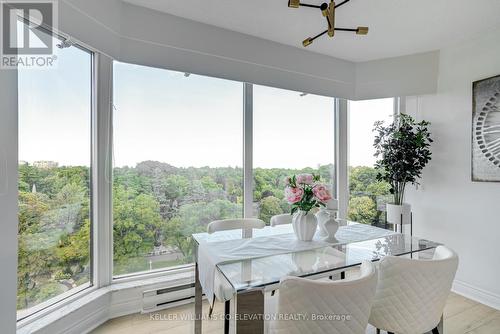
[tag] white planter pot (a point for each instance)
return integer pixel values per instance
(304, 225)
(397, 214)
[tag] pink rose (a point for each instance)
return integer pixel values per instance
(293, 195)
(305, 179)
(321, 193)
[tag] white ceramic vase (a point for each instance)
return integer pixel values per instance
(327, 225)
(397, 214)
(322, 216)
(304, 225)
(331, 226)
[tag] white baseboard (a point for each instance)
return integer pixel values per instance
(477, 294)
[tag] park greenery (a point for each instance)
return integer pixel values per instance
(156, 208)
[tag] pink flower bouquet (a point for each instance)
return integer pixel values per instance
(305, 192)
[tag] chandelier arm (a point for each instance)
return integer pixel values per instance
(342, 3)
(309, 5)
(346, 29)
(319, 35)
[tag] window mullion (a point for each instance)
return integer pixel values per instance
(102, 163)
(8, 196)
(342, 155)
(247, 152)
(399, 106)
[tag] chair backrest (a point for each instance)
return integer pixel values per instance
(411, 294)
(233, 224)
(282, 219)
(338, 307)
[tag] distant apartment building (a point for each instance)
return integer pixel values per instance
(45, 164)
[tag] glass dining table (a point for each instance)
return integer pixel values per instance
(245, 281)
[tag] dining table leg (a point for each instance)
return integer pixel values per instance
(197, 302)
(250, 312)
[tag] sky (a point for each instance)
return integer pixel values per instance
(185, 121)
(54, 110)
(362, 115)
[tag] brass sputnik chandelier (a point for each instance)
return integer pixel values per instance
(328, 11)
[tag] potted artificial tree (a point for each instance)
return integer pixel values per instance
(402, 149)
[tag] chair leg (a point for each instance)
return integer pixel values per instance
(342, 275)
(210, 310)
(227, 310)
(434, 331)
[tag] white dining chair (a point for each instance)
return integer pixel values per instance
(411, 294)
(282, 219)
(334, 307)
(234, 224)
(231, 224)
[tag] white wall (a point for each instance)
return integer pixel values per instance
(449, 207)
(397, 76)
(8, 200)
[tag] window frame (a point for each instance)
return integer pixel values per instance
(334, 174)
(398, 107)
(37, 311)
(247, 100)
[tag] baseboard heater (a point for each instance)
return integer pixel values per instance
(162, 298)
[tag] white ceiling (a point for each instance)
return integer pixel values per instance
(397, 27)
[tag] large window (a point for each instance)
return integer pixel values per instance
(293, 133)
(367, 196)
(177, 165)
(55, 111)
(178, 155)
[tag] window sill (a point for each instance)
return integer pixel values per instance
(55, 313)
(92, 307)
(39, 310)
(146, 275)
